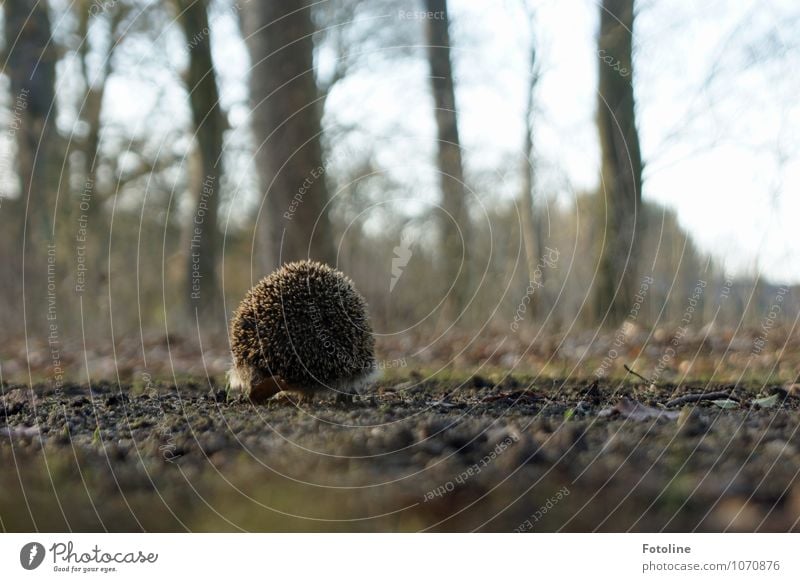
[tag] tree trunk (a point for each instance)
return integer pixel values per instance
(621, 163)
(531, 234)
(210, 124)
(293, 222)
(30, 65)
(31, 68)
(86, 196)
(455, 228)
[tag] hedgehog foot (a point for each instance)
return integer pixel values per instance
(254, 385)
(266, 389)
(293, 397)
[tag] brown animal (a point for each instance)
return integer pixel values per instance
(304, 329)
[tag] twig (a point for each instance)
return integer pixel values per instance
(637, 374)
(698, 397)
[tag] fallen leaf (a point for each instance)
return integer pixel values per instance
(726, 404)
(767, 402)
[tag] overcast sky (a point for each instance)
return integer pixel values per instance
(718, 113)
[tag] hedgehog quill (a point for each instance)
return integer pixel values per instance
(303, 330)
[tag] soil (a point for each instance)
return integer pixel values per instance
(441, 453)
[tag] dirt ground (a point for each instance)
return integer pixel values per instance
(440, 453)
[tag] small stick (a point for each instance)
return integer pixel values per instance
(698, 397)
(637, 374)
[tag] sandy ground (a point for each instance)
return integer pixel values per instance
(445, 453)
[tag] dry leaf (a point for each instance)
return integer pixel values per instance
(767, 402)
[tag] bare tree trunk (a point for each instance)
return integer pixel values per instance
(293, 222)
(210, 124)
(86, 199)
(31, 68)
(455, 228)
(621, 162)
(530, 229)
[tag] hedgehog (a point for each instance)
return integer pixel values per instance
(304, 329)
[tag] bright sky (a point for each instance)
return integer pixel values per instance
(724, 154)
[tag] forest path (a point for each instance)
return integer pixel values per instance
(417, 454)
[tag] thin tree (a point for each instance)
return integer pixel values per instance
(621, 186)
(87, 202)
(531, 231)
(90, 104)
(210, 124)
(286, 119)
(455, 227)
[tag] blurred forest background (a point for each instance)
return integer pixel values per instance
(157, 158)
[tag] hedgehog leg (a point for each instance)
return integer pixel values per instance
(294, 395)
(266, 389)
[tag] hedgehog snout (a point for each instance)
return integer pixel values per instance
(359, 385)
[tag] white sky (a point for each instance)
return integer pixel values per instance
(721, 170)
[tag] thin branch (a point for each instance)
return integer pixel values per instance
(638, 375)
(703, 396)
